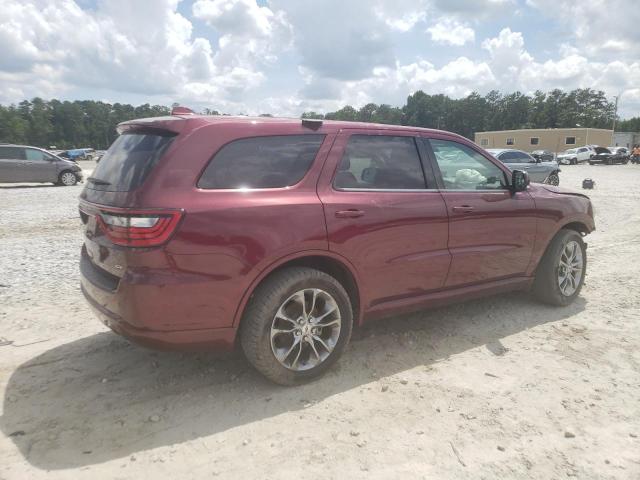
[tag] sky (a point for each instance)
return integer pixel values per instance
(288, 56)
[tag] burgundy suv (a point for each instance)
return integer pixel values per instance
(285, 234)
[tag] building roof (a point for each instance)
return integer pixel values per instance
(545, 130)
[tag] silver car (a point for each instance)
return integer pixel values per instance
(539, 171)
(21, 163)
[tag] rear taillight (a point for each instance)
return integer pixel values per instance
(139, 229)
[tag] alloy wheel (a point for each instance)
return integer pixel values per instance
(570, 268)
(306, 329)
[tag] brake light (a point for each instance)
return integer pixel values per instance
(139, 229)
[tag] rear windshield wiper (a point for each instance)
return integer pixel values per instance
(97, 181)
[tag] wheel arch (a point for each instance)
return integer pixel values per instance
(575, 224)
(578, 226)
(326, 262)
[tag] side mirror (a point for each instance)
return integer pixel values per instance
(519, 180)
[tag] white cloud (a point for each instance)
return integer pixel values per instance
(338, 39)
(237, 17)
(448, 31)
(476, 7)
(401, 15)
(516, 68)
(282, 56)
(601, 29)
(144, 47)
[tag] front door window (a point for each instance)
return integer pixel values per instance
(462, 168)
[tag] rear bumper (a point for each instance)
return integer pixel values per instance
(132, 311)
(218, 339)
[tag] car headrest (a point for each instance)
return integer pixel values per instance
(345, 164)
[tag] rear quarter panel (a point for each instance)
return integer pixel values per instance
(227, 238)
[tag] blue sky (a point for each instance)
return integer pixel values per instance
(288, 56)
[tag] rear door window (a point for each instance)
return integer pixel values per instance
(129, 161)
(261, 162)
(12, 153)
(523, 157)
(508, 157)
(380, 162)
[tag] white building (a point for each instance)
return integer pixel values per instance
(626, 139)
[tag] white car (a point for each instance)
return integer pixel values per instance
(573, 156)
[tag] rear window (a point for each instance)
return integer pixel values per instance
(261, 162)
(12, 153)
(129, 160)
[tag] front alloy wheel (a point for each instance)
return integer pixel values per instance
(68, 179)
(561, 272)
(570, 268)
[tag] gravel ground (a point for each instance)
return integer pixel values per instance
(495, 388)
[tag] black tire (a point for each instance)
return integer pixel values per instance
(546, 287)
(67, 178)
(553, 179)
(574, 161)
(255, 329)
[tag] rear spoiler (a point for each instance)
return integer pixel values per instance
(158, 125)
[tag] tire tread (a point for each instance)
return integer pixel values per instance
(258, 312)
(545, 287)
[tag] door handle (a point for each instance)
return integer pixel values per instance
(352, 213)
(463, 209)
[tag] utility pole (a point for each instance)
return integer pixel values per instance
(615, 112)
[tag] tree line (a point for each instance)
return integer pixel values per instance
(494, 111)
(82, 123)
(89, 123)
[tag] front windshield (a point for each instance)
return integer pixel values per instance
(571, 151)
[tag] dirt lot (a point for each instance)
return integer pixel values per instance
(497, 388)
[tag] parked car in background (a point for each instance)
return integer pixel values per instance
(74, 155)
(539, 171)
(282, 235)
(89, 153)
(98, 154)
(21, 163)
(544, 155)
(574, 156)
(610, 156)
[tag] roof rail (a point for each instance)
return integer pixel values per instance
(182, 111)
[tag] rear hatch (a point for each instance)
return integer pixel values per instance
(126, 165)
(113, 222)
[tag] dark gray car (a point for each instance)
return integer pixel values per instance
(20, 163)
(540, 171)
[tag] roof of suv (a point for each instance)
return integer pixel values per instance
(318, 125)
